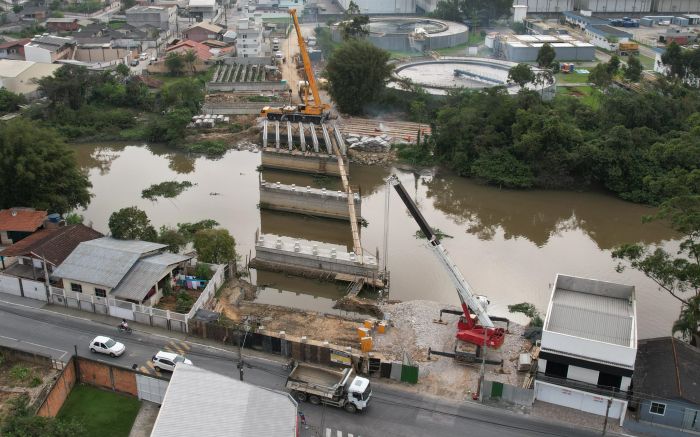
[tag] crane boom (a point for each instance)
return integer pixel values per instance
(466, 296)
(305, 58)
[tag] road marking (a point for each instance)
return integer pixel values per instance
(38, 345)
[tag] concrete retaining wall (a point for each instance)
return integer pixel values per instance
(297, 161)
(242, 108)
(246, 86)
(305, 200)
(508, 393)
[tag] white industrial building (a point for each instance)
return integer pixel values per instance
(20, 76)
(524, 48)
(382, 6)
(589, 346)
(203, 10)
(161, 17)
(249, 38)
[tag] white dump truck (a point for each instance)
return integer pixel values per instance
(339, 388)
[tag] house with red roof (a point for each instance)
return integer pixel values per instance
(13, 49)
(51, 246)
(182, 47)
(19, 223)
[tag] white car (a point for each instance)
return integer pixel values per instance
(279, 55)
(106, 345)
(167, 361)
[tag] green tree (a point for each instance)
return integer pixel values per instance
(189, 229)
(173, 238)
(354, 24)
(184, 94)
(357, 74)
(676, 273)
(70, 85)
(17, 9)
(674, 59)
(448, 10)
(215, 246)
(521, 75)
(530, 310)
(9, 101)
(613, 65)
(20, 421)
(175, 63)
(73, 218)
(190, 59)
(601, 76)
(37, 169)
(546, 56)
(501, 168)
(633, 71)
(131, 224)
(123, 70)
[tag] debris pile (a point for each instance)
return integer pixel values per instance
(380, 144)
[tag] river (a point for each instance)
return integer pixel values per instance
(508, 244)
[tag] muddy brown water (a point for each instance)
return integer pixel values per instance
(508, 244)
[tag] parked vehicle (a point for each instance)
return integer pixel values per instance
(339, 388)
(106, 345)
(167, 361)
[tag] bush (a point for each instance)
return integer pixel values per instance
(167, 289)
(20, 373)
(35, 382)
(209, 148)
(184, 302)
(203, 271)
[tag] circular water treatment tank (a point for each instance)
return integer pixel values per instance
(439, 76)
(405, 25)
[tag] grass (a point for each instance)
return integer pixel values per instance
(456, 50)
(103, 413)
(116, 24)
(588, 94)
(571, 78)
(169, 78)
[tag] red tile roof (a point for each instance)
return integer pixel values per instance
(54, 245)
(19, 42)
(21, 219)
(200, 49)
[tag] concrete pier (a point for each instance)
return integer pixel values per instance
(295, 160)
(294, 256)
(307, 200)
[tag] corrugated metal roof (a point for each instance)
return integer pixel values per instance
(145, 273)
(591, 316)
(103, 261)
(203, 403)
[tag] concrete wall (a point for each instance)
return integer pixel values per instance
(529, 54)
(579, 400)
(544, 6)
(382, 6)
(316, 262)
(88, 289)
(238, 108)
(37, 54)
(102, 54)
(301, 162)
(246, 86)
(306, 201)
(676, 6)
(511, 393)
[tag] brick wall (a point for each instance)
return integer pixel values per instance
(59, 392)
(105, 376)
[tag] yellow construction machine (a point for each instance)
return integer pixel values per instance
(312, 109)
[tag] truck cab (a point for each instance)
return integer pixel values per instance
(359, 392)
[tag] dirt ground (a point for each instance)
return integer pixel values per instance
(411, 332)
(10, 388)
(169, 302)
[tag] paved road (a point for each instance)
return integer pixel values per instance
(394, 412)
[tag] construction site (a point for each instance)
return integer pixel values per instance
(300, 133)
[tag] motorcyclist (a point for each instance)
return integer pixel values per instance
(123, 325)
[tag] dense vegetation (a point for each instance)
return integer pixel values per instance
(475, 12)
(37, 169)
(112, 105)
(167, 189)
(357, 74)
(643, 147)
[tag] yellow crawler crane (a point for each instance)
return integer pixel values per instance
(310, 111)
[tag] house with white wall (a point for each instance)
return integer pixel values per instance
(249, 37)
(589, 346)
(49, 48)
(129, 270)
(606, 37)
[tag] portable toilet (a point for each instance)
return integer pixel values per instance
(571, 68)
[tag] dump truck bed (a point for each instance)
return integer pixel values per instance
(317, 376)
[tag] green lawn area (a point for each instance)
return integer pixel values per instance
(588, 95)
(571, 78)
(460, 50)
(169, 78)
(116, 24)
(647, 62)
(103, 413)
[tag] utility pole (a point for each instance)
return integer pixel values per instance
(483, 369)
(607, 410)
(240, 352)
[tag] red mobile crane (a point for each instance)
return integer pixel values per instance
(474, 326)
